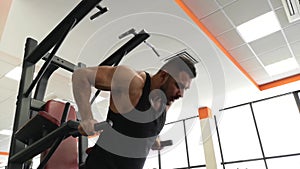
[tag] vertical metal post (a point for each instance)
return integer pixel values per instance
(296, 96)
(186, 144)
(41, 87)
(219, 141)
(82, 146)
(23, 103)
(159, 159)
(258, 135)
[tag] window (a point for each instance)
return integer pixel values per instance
(278, 122)
(151, 161)
(238, 136)
(174, 156)
(285, 162)
(247, 165)
(195, 143)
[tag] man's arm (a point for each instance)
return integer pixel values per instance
(82, 80)
(122, 80)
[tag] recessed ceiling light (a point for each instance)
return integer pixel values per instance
(259, 27)
(15, 73)
(281, 66)
(6, 132)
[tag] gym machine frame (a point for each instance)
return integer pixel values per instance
(26, 104)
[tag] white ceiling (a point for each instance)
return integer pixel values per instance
(171, 30)
(221, 18)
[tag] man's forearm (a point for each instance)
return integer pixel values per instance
(82, 93)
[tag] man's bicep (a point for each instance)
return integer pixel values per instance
(103, 77)
(118, 77)
(124, 77)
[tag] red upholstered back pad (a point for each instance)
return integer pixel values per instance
(66, 155)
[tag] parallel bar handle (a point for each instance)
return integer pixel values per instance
(166, 143)
(65, 113)
(98, 126)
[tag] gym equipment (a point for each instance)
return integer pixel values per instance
(45, 131)
(24, 146)
(166, 143)
(116, 57)
(101, 11)
(162, 145)
(133, 32)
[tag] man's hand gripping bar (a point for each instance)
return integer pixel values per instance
(98, 127)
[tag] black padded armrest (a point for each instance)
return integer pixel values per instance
(45, 142)
(36, 128)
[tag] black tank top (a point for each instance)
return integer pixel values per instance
(127, 144)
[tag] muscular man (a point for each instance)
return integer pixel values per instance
(138, 106)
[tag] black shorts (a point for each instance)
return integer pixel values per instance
(99, 158)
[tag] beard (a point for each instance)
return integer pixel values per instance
(164, 97)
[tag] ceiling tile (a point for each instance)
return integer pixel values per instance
(7, 112)
(276, 3)
(217, 23)
(5, 67)
(267, 43)
(293, 32)
(5, 94)
(296, 48)
(230, 39)
(251, 64)
(244, 10)
(259, 75)
(281, 15)
(9, 59)
(242, 53)
(286, 74)
(224, 2)
(6, 119)
(264, 81)
(9, 84)
(4, 147)
(275, 55)
(202, 8)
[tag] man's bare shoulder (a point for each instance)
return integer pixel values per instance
(139, 80)
(128, 90)
(124, 76)
(142, 76)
